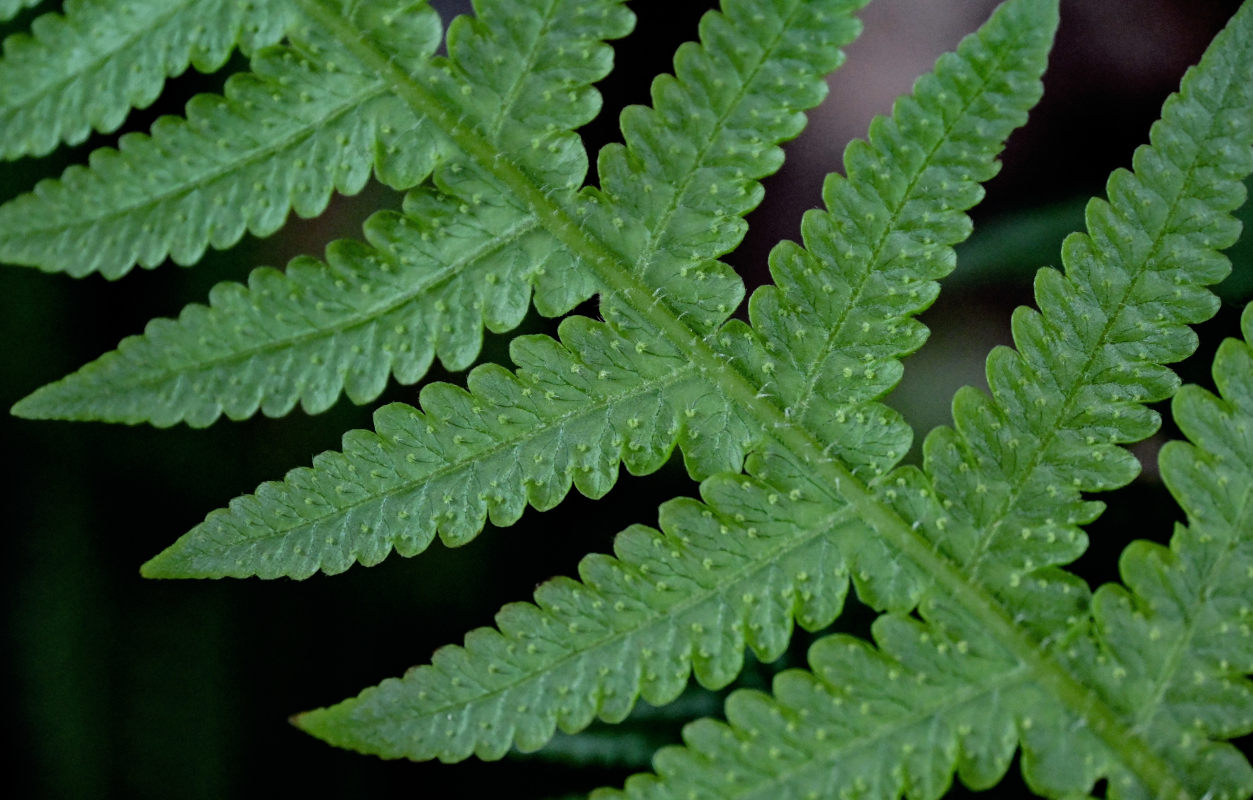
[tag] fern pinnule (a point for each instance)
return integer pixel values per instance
(1001, 651)
(604, 394)
(121, 58)
(738, 569)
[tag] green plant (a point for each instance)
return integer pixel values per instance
(984, 644)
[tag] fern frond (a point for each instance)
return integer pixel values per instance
(826, 338)
(304, 122)
(1011, 473)
(1170, 652)
(762, 552)
(871, 723)
(86, 68)
(1000, 656)
(486, 255)
(673, 196)
(1174, 648)
(461, 256)
(618, 392)
(309, 119)
(426, 284)
(723, 575)
(568, 416)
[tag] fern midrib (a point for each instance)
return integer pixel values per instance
(1243, 522)
(353, 322)
(39, 91)
(297, 137)
(622, 282)
(777, 785)
(833, 519)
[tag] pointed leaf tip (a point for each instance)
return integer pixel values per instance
(32, 407)
(157, 567)
(174, 562)
(320, 724)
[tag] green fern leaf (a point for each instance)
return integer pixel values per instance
(731, 573)
(121, 58)
(1011, 473)
(1001, 653)
(300, 125)
(985, 644)
(461, 256)
(762, 553)
(671, 200)
(311, 119)
(1170, 653)
(512, 439)
(1173, 648)
(219, 352)
(610, 393)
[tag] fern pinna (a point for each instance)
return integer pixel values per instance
(985, 645)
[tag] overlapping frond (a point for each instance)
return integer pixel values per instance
(87, 67)
(1002, 656)
(606, 393)
(766, 549)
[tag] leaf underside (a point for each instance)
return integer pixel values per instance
(721, 575)
(604, 394)
(984, 647)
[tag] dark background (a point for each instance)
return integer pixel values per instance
(122, 687)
